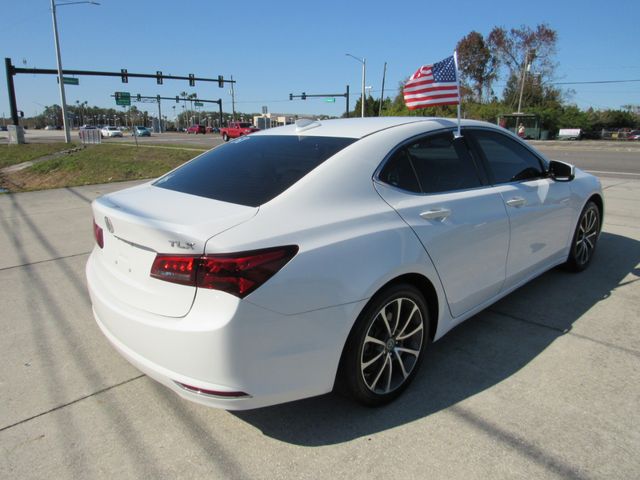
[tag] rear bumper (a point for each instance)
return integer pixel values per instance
(227, 345)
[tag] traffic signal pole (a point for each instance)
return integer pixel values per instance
(12, 92)
(304, 96)
(123, 74)
(178, 99)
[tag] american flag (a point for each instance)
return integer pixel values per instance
(433, 85)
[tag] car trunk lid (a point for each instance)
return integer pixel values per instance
(141, 222)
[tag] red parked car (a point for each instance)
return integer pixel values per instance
(237, 129)
(196, 129)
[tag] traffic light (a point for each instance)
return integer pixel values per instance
(124, 76)
(291, 96)
(138, 97)
(304, 96)
(192, 80)
(159, 77)
(158, 98)
(177, 99)
(117, 95)
(220, 81)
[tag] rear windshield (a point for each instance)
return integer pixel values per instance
(253, 169)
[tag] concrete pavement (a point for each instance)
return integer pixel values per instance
(544, 384)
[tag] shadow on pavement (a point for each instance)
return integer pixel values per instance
(480, 353)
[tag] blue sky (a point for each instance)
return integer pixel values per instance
(281, 47)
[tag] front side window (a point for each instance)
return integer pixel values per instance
(508, 160)
(433, 164)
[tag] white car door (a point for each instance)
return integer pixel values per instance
(539, 208)
(436, 187)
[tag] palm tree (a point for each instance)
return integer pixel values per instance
(184, 96)
(191, 98)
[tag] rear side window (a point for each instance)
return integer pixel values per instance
(433, 164)
(254, 169)
(508, 160)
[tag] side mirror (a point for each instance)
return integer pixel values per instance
(561, 172)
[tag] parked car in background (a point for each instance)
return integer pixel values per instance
(212, 130)
(3, 128)
(237, 129)
(110, 132)
(633, 135)
(197, 129)
(328, 253)
(141, 131)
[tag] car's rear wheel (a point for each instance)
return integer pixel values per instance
(386, 346)
(584, 240)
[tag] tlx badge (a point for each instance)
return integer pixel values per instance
(183, 245)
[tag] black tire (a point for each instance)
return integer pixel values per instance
(585, 238)
(225, 137)
(376, 365)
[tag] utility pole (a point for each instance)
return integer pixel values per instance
(63, 99)
(233, 100)
(364, 72)
(384, 74)
(524, 74)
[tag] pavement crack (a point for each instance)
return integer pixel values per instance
(59, 407)
(44, 261)
(524, 320)
(567, 331)
(615, 185)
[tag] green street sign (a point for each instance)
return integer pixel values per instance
(199, 104)
(123, 99)
(330, 100)
(70, 81)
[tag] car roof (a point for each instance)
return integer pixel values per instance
(360, 127)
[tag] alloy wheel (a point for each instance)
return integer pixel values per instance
(392, 346)
(586, 236)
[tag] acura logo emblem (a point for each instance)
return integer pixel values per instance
(109, 224)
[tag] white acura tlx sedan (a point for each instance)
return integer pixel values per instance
(328, 254)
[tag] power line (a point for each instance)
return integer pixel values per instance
(595, 81)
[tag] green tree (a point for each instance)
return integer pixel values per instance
(530, 53)
(518, 46)
(477, 65)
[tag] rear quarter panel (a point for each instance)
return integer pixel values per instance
(351, 242)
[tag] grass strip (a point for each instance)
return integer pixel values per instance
(14, 154)
(96, 164)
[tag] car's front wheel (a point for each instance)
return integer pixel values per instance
(584, 240)
(386, 346)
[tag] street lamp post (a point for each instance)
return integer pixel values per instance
(63, 100)
(363, 61)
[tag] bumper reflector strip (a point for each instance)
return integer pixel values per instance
(211, 393)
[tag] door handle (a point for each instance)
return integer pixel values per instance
(516, 202)
(436, 214)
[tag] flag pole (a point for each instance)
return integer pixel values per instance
(455, 61)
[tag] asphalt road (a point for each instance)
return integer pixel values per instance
(543, 384)
(620, 159)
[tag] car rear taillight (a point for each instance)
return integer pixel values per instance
(236, 273)
(98, 235)
(175, 268)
